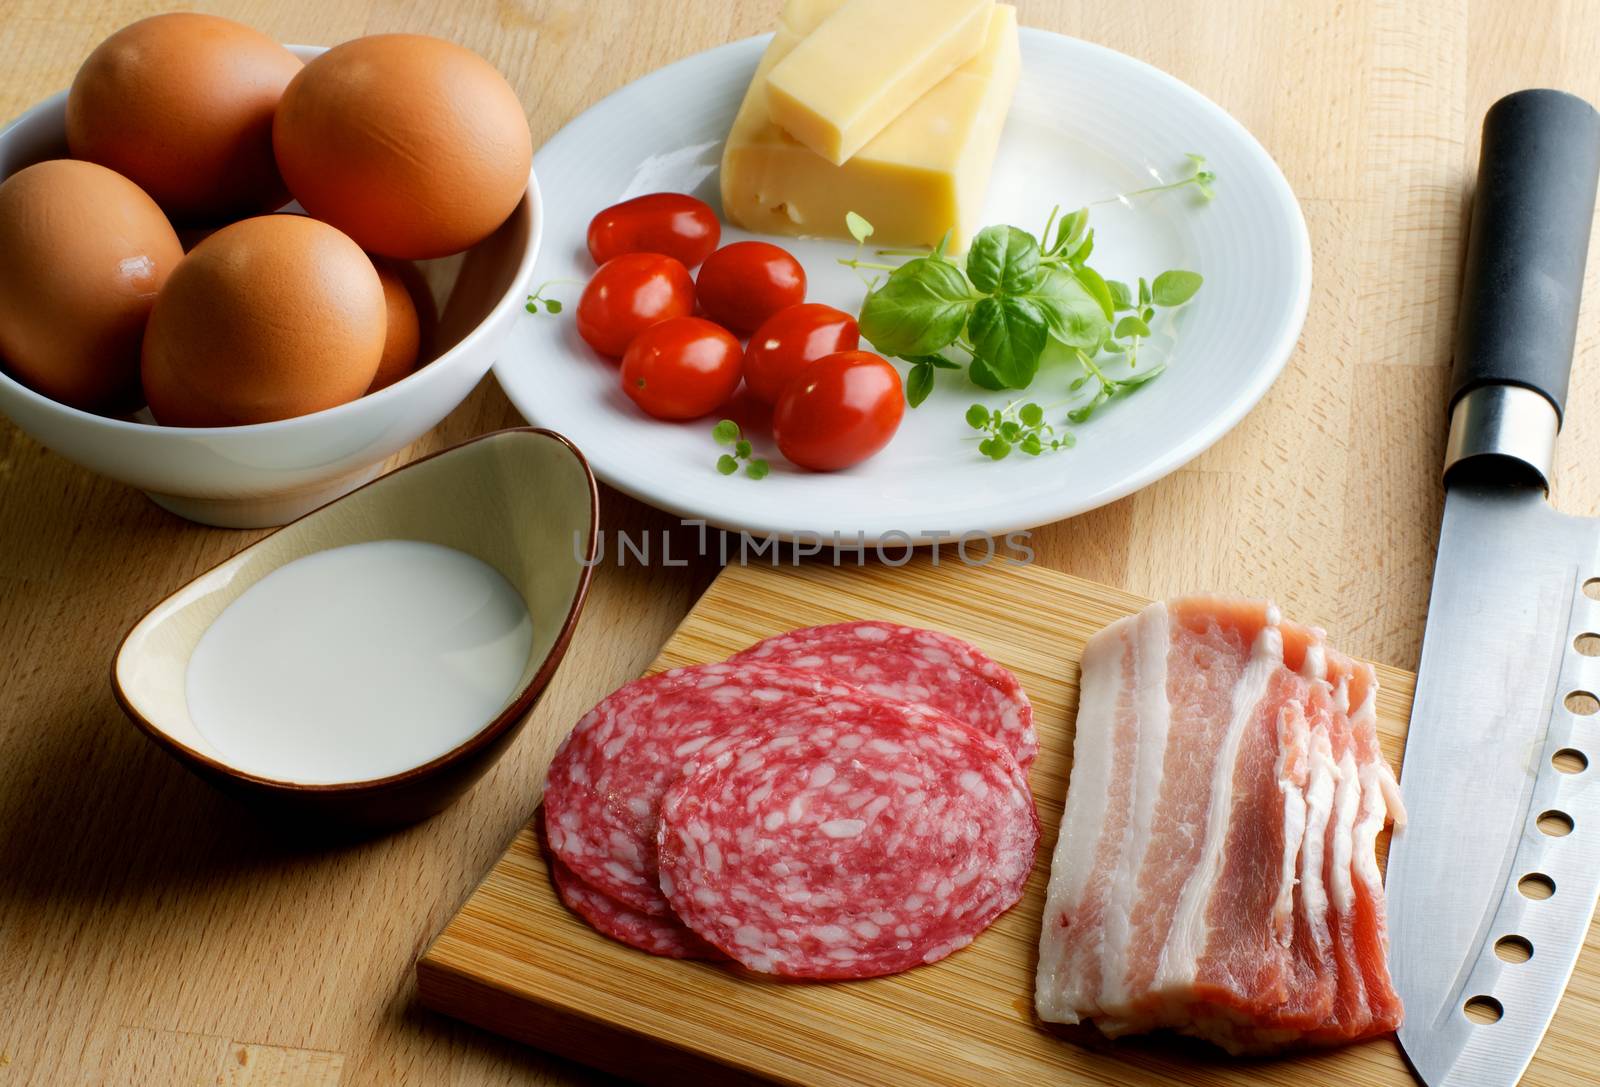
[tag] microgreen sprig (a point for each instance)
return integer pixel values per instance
(1016, 426)
(727, 433)
(537, 300)
(1200, 175)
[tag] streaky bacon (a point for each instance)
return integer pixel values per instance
(1216, 872)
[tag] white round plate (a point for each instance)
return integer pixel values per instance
(1087, 123)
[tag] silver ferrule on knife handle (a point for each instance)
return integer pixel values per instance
(1509, 422)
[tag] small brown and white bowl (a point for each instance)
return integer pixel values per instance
(523, 501)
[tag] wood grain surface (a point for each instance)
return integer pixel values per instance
(150, 932)
(514, 959)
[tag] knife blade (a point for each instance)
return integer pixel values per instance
(1493, 881)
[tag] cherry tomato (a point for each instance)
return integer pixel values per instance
(742, 284)
(792, 339)
(672, 223)
(629, 294)
(682, 368)
(841, 410)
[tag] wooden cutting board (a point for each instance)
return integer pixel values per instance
(516, 962)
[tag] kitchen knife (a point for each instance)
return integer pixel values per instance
(1492, 882)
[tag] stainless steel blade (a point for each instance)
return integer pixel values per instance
(1499, 667)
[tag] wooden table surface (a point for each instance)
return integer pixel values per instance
(150, 932)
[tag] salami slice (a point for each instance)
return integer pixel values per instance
(863, 837)
(913, 665)
(658, 935)
(603, 792)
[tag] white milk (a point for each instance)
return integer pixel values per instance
(358, 662)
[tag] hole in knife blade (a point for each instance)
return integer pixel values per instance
(1570, 760)
(1536, 885)
(1557, 824)
(1483, 1009)
(1587, 644)
(1582, 703)
(1513, 949)
(1591, 588)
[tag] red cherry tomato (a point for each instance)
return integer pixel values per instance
(792, 339)
(841, 410)
(742, 284)
(671, 223)
(682, 368)
(629, 294)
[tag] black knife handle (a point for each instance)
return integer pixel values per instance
(1527, 245)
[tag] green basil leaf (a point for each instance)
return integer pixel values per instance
(1132, 326)
(1073, 316)
(1098, 289)
(1144, 292)
(1003, 260)
(982, 376)
(919, 383)
(1121, 294)
(1009, 333)
(1071, 229)
(1081, 254)
(1175, 288)
(919, 310)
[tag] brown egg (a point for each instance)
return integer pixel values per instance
(412, 145)
(411, 319)
(182, 105)
(83, 252)
(269, 318)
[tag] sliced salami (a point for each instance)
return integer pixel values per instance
(913, 665)
(665, 936)
(603, 792)
(861, 837)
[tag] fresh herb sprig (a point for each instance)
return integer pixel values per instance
(727, 433)
(1014, 294)
(1016, 426)
(1108, 389)
(537, 300)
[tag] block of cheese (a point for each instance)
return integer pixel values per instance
(865, 64)
(923, 175)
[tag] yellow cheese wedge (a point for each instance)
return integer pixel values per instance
(865, 64)
(923, 175)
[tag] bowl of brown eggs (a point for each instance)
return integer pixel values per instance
(239, 275)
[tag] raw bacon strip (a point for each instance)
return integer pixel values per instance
(1255, 918)
(861, 837)
(603, 792)
(658, 935)
(1375, 799)
(1208, 936)
(1308, 805)
(1115, 780)
(913, 665)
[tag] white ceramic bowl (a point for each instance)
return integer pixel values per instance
(270, 473)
